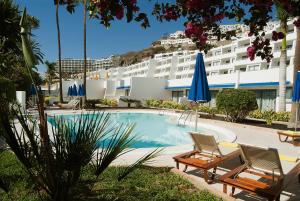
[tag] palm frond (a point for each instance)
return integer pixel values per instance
(114, 146)
(145, 160)
(281, 13)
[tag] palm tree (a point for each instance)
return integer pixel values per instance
(50, 73)
(57, 2)
(296, 69)
(84, 50)
(283, 17)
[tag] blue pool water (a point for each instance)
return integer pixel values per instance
(153, 130)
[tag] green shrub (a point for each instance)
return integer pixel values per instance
(209, 110)
(269, 116)
(170, 105)
(47, 100)
(109, 102)
(236, 104)
(153, 103)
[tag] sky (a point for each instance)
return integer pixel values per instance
(120, 38)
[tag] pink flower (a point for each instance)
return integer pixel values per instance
(274, 36)
(280, 35)
(251, 53)
(297, 22)
(120, 12)
(170, 14)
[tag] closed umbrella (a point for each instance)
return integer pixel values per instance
(32, 90)
(199, 91)
(296, 96)
(69, 91)
(75, 90)
(82, 90)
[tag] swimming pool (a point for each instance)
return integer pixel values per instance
(155, 130)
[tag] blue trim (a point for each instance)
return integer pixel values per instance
(124, 87)
(259, 84)
(178, 87)
(230, 85)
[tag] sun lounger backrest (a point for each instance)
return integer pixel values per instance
(262, 159)
(205, 143)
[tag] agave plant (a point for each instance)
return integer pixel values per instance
(74, 144)
(55, 161)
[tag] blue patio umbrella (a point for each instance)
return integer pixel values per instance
(32, 90)
(69, 91)
(82, 90)
(199, 91)
(75, 90)
(296, 96)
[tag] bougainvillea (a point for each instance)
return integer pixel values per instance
(107, 11)
(203, 19)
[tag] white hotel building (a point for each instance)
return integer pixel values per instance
(169, 75)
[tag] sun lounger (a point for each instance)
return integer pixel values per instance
(289, 134)
(73, 104)
(262, 174)
(207, 155)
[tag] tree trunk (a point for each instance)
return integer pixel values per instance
(296, 69)
(59, 54)
(49, 88)
(282, 69)
(84, 48)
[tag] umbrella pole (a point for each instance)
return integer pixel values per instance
(296, 119)
(196, 122)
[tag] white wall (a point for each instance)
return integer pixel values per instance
(143, 88)
(95, 89)
(21, 99)
(110, 88)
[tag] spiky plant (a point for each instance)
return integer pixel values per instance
(55, 161)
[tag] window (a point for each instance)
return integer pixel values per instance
(187, 91)
(218, 52)
(176, 95)
(227, 61)
(243, 69)
(216, 63)
(253, 68)
(214, 73)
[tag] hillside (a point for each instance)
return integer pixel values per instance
(138, 56)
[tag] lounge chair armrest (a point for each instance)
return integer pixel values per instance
(292, 174)
(186, 155)
(233, 172)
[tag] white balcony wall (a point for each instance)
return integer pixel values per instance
(143, 88)
(110, 88)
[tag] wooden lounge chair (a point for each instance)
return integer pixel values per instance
(289, 134)
(206, 155)
(264, 165)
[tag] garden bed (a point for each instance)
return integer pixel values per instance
(145, 183)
